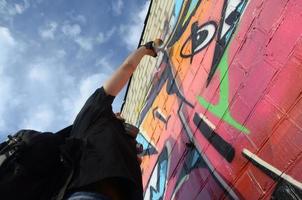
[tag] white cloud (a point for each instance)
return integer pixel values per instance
(48, 32)
(117, 7)
(19, 8)
(53, 95)
(61, 53)
(76, 17)
(38, 90)
(7, 45)
(5, 93)
(100, 38)
(85, 43)
(38, 74)
(40, 95)
(39, 118)
(9, 10)
(131, 33)
(74, 32)
(6, 38)
(105, 64)
(71, 30)
(2, 124)
(104, 37)
(80, 18)
(3, 4)
(22, 7)
(86, 87)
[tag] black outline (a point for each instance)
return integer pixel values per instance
(193, 27)
(225, 149)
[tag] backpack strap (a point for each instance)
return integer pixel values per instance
(10, 147)
(65, 186)
(70, 154)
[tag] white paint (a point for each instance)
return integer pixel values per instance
(211, 29)
(208, 122)
(272, 169)
(159, 110)
(206, 160)
(153, 180)
(231, 6)
(181, 182)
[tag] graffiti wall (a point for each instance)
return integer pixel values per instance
(223, 118)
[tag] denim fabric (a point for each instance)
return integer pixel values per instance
(86, 196)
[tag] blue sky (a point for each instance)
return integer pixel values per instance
(54, 54)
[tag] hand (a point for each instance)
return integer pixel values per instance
(153, 47)
(118, 116)
(139, 150)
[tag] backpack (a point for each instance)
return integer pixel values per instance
(35, 165)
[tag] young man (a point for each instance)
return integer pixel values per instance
(108, 168)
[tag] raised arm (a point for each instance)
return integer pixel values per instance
(120, 77)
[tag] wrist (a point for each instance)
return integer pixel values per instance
(146, 51)
(153, 47)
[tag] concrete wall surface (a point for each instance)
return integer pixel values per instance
(220, 109)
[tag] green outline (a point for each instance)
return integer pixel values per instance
(222, 110)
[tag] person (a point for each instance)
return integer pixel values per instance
(108, 168)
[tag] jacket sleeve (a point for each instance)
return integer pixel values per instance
(98, 105)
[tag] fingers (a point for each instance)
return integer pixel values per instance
(139, 148)
(118, 116)
(131, 130)
(139, 160)
(153, 47)
(158, 43)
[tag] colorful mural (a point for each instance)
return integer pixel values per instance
(223, 118)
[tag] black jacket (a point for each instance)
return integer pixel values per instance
(107, 151)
